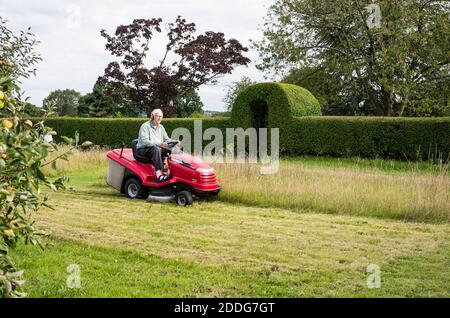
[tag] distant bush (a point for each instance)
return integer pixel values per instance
(199, 115)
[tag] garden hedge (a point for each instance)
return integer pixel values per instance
(274, 104)
(113, 132)
(396, 138)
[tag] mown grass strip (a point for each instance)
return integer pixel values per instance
(120, 272)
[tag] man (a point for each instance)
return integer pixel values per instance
(152, 143)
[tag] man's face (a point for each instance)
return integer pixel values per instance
(157, 118)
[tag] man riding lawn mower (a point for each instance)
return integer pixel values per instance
(156, 169)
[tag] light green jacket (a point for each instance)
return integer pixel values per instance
(150, 136)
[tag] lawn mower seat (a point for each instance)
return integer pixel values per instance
(136, 156)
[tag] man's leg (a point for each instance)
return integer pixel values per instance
(155, 155)
(164, 156)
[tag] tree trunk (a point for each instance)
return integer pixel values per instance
(388, 103)
(403, 106)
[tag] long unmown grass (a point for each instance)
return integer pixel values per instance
(340, 190)
(362, 187)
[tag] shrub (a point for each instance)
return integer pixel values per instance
(272, 105)
(370, 137)
(394, 138)
(113, 132)
(23, 153)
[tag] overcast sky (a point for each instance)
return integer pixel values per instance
(73, 51)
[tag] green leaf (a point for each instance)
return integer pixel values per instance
(3, 248)
(44, 152)
(40, 174)
(67, 140)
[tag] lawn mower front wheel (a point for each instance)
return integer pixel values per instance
(184, 198)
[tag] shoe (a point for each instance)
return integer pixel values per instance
(162, 178)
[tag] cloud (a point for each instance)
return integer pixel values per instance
(73, 51)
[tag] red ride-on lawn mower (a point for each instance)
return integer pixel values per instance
(134, 176)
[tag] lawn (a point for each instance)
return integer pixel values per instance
(310, 231)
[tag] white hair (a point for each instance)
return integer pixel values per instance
(155, 111)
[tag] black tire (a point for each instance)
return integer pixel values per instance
(134, 190)
(184, 198)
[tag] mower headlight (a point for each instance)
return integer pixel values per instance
(205, 171)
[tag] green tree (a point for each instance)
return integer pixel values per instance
(23, 153)
(16, 54)
(315, 80)
(189, 61)
(64, 102)
(33, 111)
(188, 104)
(235, 89)
(379, 59)
(99, 104)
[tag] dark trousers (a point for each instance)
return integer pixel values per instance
(156, 155)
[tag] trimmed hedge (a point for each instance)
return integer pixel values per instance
(396, 138)
(371, 137)
(283, 102)
(113, 132)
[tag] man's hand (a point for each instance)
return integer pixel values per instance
(166, 144)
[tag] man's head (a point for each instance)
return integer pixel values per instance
(156, 116)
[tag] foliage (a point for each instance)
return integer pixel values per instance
(99, 104)
(188, 104)
(33, 111)
(188, 62)
(20, 175)
(226, 114)
(64, 102)
(272, 105)
(112, 132)
(312, 78)
(235, 89)
(374, 69)
(369, 137)
(16, 55)
(200, 115)
(23, 154)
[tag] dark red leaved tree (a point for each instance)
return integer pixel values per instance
(195, 60)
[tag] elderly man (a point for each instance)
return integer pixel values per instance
(152, 143)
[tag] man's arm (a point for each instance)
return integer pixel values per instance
(144, 136)
(165, 136)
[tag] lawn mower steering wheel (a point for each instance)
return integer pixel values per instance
(171, 144)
